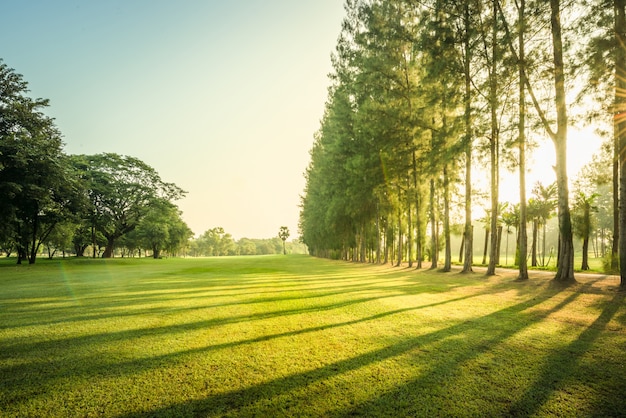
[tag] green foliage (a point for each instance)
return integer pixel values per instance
(246, 246)
(51, 199)
(162, 228)
(214, 242)
(122, 190)
(37, 185)
(283, 234)
(61, 238)
(610, 263)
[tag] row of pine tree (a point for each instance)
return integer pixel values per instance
(427, 95)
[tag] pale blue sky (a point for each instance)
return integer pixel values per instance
(220, 97)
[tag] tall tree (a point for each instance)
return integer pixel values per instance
(494, 136)
(510, 218)
(441, 89)
(37, 185)
(583, 206)
(466, 31)
(620, 127)
(565, 264)
(605, 61)
(546, 204)
(283, 234)
(523, 214)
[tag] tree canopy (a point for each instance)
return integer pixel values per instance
(421, 91)
(44, 191)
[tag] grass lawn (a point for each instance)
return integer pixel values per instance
(298, 336)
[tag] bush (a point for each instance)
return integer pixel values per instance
(610, 264)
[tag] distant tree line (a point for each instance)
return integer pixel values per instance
(216, 242)
(101, 205)
(71, 203)
(424, 92)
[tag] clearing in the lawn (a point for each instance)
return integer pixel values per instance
(299, 336)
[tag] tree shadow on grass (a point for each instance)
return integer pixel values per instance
(95, 364)
(94, 306)
(428, 395)
(479, 334)
(47, 362)
(563, 364)
(38, 312)
(84, 360)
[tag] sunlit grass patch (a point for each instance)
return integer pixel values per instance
(285, 336)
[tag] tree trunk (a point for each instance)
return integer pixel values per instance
(362, 246)
(418, 218)
(409, 231)
(518, 250)
(433, 227)
(462, 248)
(585, 263)
(447, 263)
(494, 144)
(80, 250)
(487, 234)
(386, 241)
(33, 244)
(93, 241)
(506, 249)
(108, 250)
(565, 266)
(620, 124)
(399, 238)
(533, 247)
(378, 237)
(499, 246)
(467, 117)
(616, 199)
(419, 232)
(543, 242)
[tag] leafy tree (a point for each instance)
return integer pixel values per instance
(153, 229)
(558, 134)
(179, 234)
(38, 186)
(493, 61)
(583, 206)
(162, 228)
(283, 234)
(216, 242)
(510, 218)
(565, 262)
(521, 143)
(544, 206)
(246, 246)
(61, 238)
(418, 89)
(121, 190)
(619, 111)
(605, 60)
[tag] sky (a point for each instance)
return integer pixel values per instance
(222, 98)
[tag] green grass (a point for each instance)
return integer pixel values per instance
(298, 336)
(595, 264)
